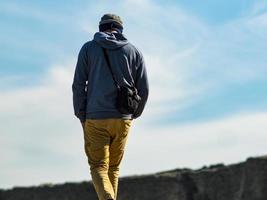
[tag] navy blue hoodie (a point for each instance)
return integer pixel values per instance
(94, 91)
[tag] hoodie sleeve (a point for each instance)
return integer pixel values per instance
(141, 85)
(80, 84)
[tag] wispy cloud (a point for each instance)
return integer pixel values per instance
(259, 7)
(33, 12)
(188, 59)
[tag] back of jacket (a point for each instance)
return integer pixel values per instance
(94, 91)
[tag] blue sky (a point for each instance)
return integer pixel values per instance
(206, 63)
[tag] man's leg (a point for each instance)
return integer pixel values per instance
(97, 140)
(119, 130)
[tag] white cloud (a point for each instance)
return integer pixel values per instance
(42, 137)
(185, 60)
(35, 12)
(39, 133)
(259, 7)
(226, 140)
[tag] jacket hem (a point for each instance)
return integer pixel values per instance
(106, 115)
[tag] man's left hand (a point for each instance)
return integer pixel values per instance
(83, 124)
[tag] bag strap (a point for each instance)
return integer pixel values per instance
(110, 68)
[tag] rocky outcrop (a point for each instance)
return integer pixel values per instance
(243, 181)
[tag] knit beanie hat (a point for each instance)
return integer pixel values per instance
(110, 21)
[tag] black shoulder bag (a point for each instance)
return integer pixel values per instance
(128, 99)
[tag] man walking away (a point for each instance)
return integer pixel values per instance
(95, 95)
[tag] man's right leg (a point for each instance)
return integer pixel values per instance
(97, 140)
(119, 129)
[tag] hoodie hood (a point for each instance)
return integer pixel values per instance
(112, 40)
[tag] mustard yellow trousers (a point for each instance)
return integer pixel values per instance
(104, 142)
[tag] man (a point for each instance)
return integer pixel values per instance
(94, 99)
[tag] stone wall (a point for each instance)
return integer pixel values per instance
(243, 181)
